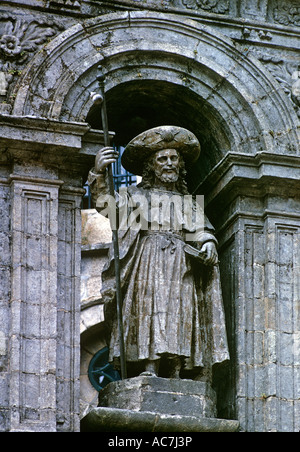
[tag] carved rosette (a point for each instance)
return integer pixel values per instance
(20, 38)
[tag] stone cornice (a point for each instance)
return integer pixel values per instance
(29, 132)
(260, 32)
(226, 18)
(251, 187)
(248, 174)
(84, 9)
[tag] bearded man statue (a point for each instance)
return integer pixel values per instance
(174, 323)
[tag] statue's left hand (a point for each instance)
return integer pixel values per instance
(210, 250)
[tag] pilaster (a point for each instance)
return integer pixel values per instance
(68, 310)
(43, 165)
(33, 304)
(257, 213)
(5, 263)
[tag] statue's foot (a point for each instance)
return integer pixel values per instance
(147, 373)
(151, 369)
(204, 374)
(175, 365)
(175, 374)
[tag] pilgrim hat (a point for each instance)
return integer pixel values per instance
(147, 143)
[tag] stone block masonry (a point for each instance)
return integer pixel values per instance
(161, 395)
(153, 404)
(40, 200)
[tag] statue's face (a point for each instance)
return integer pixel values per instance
(166, 165)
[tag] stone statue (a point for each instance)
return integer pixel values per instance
(172, 304)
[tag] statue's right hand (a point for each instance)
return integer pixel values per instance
(105, 157)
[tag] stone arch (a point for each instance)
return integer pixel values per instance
(222, 85)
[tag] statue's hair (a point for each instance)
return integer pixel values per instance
(148, 175)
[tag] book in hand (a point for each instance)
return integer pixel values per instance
(194, 252)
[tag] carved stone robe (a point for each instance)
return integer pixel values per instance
(172, 304)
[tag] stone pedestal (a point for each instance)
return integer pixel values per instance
(161, 395)
(116, 420)
(152, 404)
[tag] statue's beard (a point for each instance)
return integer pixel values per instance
(166, 177)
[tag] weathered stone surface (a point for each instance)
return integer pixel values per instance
(117, 420)
(232, 84)
(161, 395)
(260, 251)
(40, 274)
(94, 226)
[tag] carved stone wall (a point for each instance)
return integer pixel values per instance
(227, 69)
(267, 300)
(5, 263)
(262, 30)
(41, 192)
(259, 249)
(21, 36)
(33, 350)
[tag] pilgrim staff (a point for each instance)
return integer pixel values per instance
(100, 99)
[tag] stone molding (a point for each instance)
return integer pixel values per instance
(258, 176)
(33, 327)
(238, 89)
(101, 419)
(246, 30)
(262, 165)
(280, 11)
(61, 138)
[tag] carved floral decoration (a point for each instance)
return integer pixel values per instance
(214, 6)
(10, 46)
(287, 74)
(19, 39)
(65, 4)
(287, 13)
